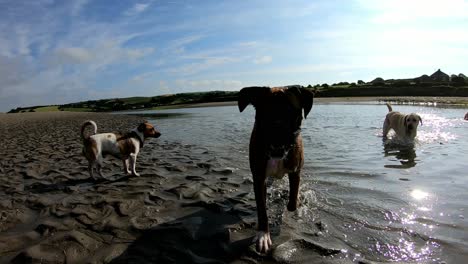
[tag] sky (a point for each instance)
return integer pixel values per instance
(57, 51)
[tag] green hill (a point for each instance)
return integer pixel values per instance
(438, 84)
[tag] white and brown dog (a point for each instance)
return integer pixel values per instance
(122, 146)
(405, 126)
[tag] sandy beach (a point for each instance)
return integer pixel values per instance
(183, 209)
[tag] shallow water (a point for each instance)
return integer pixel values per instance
(378, 201)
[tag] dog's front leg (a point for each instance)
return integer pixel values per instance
(263, 240)
(294, 180)
(386, 128)
(133, 158)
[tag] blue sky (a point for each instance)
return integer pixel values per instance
(54, 52)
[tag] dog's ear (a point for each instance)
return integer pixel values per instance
(250, 95)
(405, 123)
(306, 97)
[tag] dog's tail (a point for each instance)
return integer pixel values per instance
(389, 107)
(85, 124)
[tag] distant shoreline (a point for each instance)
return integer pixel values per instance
(420, 100)
(428, 100)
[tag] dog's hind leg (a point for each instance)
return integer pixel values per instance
(294, 180)
(126, 166)
(133, 158)
(99, 167)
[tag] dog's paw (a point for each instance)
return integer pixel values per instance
(136, 174)
(263, 241)
(128, 172)
(292, 207)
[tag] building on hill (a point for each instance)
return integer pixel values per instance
(440, 76)
(423, 79)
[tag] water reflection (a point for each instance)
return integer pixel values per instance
(405, 153)
(418, 194)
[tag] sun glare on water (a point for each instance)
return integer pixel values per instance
(419, 195)
(434, 129)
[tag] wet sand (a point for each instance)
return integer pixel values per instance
(185, 207)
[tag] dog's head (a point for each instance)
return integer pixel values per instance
(412, 122)
(278, 115)
(148, 130)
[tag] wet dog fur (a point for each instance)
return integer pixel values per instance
(276, 146)
(404, 125)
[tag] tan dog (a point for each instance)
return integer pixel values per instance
(124, 147)
(405, 126)
(275, 145)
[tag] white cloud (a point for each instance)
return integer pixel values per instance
(47, 87)
(142, 77)
(135, 54)
(137, 8)
(249, 44)
(208, 84)
(12, 72)
(263, 60)
(205, 64)
(99, 56)
(73, 55)
(23, 45)
(177, 46)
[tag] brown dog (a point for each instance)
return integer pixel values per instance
(122, 146)
(275, 144)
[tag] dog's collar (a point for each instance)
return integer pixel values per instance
(136, 134)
